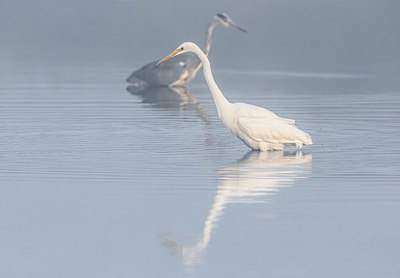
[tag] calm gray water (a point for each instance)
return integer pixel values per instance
(100, 181)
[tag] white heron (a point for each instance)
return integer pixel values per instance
(181, 70)
(259, 128)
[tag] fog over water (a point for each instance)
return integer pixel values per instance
(317, 35)
(98, 179)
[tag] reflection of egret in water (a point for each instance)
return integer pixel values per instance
(180, 98)
(256, 175)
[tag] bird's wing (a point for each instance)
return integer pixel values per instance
(273, 130)
(251, 111)
(164, 74)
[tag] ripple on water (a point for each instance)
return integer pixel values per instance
(87, 165)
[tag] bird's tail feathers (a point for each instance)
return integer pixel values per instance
(289, 121)
(136, 82)
(306, 139)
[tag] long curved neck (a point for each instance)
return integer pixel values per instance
(209, 31)
(220, 101)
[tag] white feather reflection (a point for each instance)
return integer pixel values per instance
(249, 180)
(180, 98)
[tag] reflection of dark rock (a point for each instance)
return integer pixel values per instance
(249, 180)
(166, 97)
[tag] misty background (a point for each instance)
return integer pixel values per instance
(307, 35)
(100, 181)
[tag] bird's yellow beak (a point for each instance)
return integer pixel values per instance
(169, 56)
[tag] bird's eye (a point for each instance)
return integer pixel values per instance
(181, 48)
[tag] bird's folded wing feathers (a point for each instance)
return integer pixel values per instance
(254, 112)
(289, 121)
(272, 130)
(167, 72)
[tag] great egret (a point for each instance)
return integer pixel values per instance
(259, 128)
(181, 70)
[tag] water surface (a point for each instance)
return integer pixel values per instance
(102, 181)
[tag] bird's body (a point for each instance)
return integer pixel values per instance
(180, 70)
(259, 128)
(175, 72)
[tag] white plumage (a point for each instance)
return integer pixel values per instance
(263, 130)
(257, 127)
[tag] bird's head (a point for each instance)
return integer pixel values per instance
(183, 48)
(226, 21)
